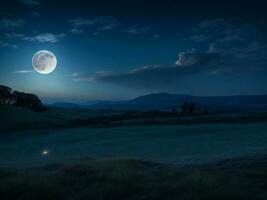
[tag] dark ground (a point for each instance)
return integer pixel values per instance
(109, 179)
(17, 119)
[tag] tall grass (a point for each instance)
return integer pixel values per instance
(117, 179)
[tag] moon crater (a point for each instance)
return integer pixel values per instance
(44, 62)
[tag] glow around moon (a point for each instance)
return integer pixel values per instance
(44, 62)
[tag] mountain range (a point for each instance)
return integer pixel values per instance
(168, 101)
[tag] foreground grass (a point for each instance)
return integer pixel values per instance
(118, 179)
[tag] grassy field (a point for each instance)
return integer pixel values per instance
(118, 179)
(127, 179)
(14, 119)
(21, 119)
(170, 144)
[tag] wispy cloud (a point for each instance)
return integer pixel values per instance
(95, 33)
(36, 14)
(76, 31)
(199, 38)
(216, 23)
(221, 30)
(136, 30)
(30, 2)
(193, 57)
(45, 37)
(81, 77)
(23, 71)
(155, 75)
(101, 23)
(79, 22)
(240, 46)
(156, 36)
(214, 63)
(14, 35)
(11, 24)
(6, 44)
(109, 25)
(103, 72)
(75, 74)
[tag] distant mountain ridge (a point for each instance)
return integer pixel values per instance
(167, 101)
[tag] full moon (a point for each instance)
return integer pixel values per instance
(44, 62)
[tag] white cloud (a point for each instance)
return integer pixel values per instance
(75, 74)
(23, 71)
(45, 37)
(79, 77)
(192, 57)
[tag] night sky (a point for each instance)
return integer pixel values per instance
(115, 50)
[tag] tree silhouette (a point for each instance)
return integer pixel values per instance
(188, 108)
(174, 112)
(185, 107)
(191, 108)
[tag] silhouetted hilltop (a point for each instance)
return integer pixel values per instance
(20, 99)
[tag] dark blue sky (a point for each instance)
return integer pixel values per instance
(122, 49)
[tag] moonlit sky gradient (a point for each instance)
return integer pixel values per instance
(122, 49)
